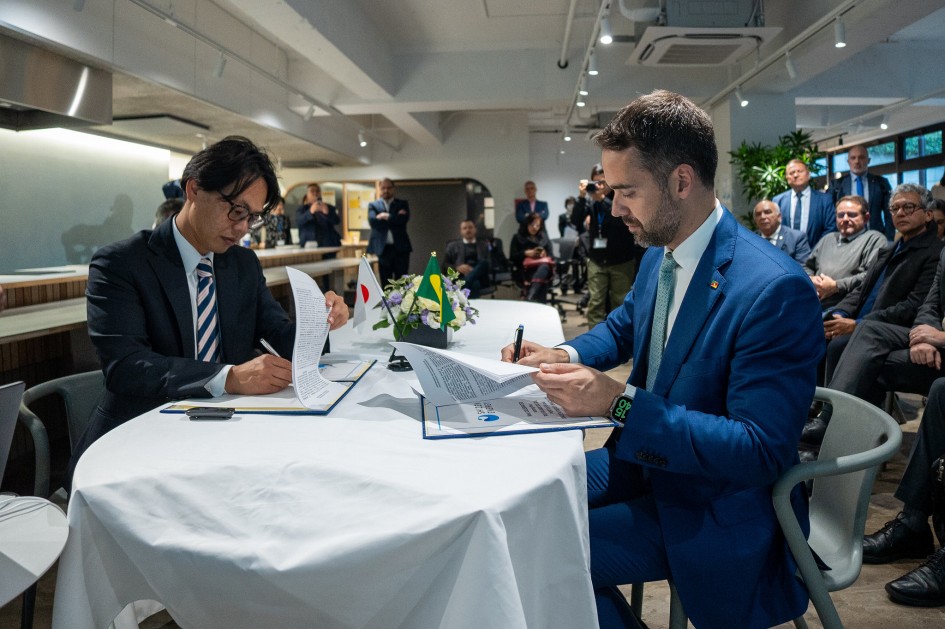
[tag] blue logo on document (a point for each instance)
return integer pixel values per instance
(486, 417)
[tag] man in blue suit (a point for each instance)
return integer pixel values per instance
(389, 241)
(791, 241)
(874, 188)
(716, 400)
(530, 204)
(804, 208)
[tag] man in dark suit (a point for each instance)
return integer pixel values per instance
(531, 205)
(791, 241)
(898, 281)
(469, 256)
(715, 402)
(804, 208)
(145, 293)
(874, 188)
(316, 220)
(388, 218)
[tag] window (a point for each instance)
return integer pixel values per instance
(882, 153)
(839, 162)
(910, 176)
(922, 145)
(933, 176)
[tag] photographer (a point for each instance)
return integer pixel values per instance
(316, 220)
(612, 254)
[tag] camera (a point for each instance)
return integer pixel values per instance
(591, 187)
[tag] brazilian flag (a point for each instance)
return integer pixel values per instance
(431, 287)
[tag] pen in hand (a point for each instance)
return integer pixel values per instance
(269, 348)
(517, 350)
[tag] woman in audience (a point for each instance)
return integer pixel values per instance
(938, 216)
(276, 231)
(530, 253)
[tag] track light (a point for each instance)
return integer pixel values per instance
(583, 89)
(885, 123)
(362, 141)
(580, 102)
(789, 65)
(606, 35)
(741, 97)
(839, 33)
(309, 112)
(592, 64)
(221, 66)
(561, 151)
(567, 135)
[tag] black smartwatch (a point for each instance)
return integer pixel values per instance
(620, 407)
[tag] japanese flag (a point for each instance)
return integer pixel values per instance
(368, 293)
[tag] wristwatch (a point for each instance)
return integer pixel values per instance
(620, 407)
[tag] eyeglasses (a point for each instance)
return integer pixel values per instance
(848, 214)
(239, 212)
(904, 208)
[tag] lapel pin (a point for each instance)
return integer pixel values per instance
(713, 284)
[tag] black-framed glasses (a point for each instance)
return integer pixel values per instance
(239, 212)
(904, 208)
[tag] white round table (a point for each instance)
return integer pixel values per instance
(33, 532)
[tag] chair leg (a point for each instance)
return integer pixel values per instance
(29, 603)
(636, 599)
(677, 616)
(800, 623)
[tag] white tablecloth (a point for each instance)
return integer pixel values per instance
(32, 534)
(348, 520)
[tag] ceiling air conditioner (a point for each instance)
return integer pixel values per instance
(662, 46)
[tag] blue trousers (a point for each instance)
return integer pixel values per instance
(625, 535)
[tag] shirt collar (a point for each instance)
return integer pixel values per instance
(469, 242)
(188, 255)
(689, 251)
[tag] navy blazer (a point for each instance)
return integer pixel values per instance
(140, 322)
(794, 243)
(722, 422)
(880, 192)
(318, 227)
(523, 208)
(822, 218)
(396, 225)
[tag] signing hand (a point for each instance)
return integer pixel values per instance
(337, 310)
(533, 354)
(263, 374)
(925, 354)
(579, 390)
(926, 334)
(838, 327)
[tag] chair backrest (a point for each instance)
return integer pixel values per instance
(10, 396)
(564, 249)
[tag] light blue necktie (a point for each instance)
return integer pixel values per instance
(208, 335)
(797, 212)
(859, 186)
(664, 297)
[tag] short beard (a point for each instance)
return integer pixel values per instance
(664, 226)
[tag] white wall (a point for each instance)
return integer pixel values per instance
(64, 194)
(557, 176)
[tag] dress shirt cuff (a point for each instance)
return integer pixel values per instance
(217, 384)
(572, 353)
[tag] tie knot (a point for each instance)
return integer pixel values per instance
(204, 268)
(669, 262)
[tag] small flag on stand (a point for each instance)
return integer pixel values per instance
(368, 293)
(431, 287)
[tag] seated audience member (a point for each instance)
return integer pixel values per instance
(896, 284)
(874, 188)
(907, 536)
(530, 253)
(316, 220)
(937, 206)
(839, 261)
(277, 229)
(564, 220)
(791, 241)
(469, 256)
(804, 208)
(145, 294)
(715, 402)
(167, 209)
(530, 205)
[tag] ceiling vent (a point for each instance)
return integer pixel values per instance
(686, 46)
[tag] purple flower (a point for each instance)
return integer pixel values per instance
(466, 292)
(468, 312)
(395, 298)
(413, 318)
(448, 283)
(424, 316)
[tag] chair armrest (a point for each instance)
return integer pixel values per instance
(40, 439)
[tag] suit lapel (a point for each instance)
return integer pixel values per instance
(644, 301)
(169, 270)
(227, 279)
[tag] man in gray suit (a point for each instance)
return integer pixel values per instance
(791, 241)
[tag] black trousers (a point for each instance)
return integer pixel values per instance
(915, 487)
(392, 264)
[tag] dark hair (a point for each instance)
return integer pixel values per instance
(233, 163)
(523, 226)
(597, 170)
(858, 200)
(668, 130)
(167, 209)
(937, 204)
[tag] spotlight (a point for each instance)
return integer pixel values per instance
(885, 123)
(309, 112)
(580, 102)
(362, 142)
(606, 35)
(221, 66)
(789, 65)
(567, 135)
(741, 97)
(561, 151)
(839, 33)
(592, 64)
(583, 89)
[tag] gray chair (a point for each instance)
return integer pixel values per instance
(80, 394)
(10, 396)
(859, 438)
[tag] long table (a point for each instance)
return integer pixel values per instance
(345, 520)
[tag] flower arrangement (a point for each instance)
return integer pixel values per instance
(411, 311)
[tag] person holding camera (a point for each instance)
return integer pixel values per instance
(531, 257)
(612, 253)
(316, 220)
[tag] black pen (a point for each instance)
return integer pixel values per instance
(517, 352)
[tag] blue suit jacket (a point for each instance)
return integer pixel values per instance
(794, 243)
(396, 225)
(523, 208)
(822, 218)
(879, 190)
(723, 420)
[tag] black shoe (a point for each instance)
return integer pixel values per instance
(814, 431)
(897, 541)
(922, 587)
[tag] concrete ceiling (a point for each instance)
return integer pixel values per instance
(400, 69)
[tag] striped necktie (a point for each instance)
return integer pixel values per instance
(664, 297)
(208, 332)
